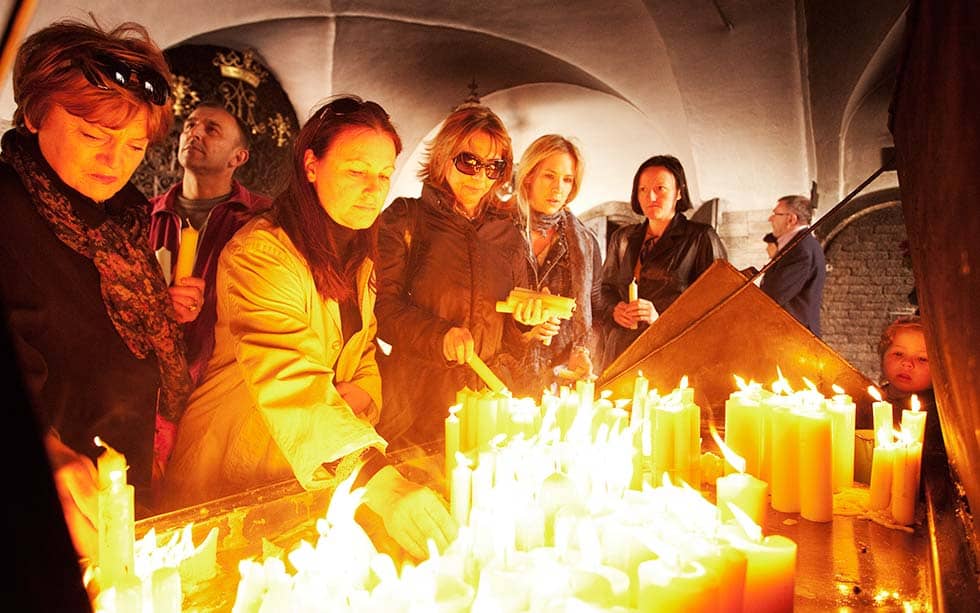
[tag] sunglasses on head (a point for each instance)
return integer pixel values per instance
(103, 69)
(470, 164)
(349, 105)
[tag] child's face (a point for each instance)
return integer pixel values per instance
(906, 364)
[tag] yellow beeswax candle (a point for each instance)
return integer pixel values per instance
(914, 421)
(744, 491)
(186, 253)
(842, 416)
(881, 475)
(117, 531)
(785, 478)
(816, 474)
(109, 462)
(906, 466)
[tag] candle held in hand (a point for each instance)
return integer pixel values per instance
(186, 254)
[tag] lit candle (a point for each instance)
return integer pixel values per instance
(452, 439)
(684, 586)
(907, 462)
(108, 462)
(914, 421)
(461, 486)
(640, 388)
(744, 426)
(881, 472)
(882, 412)
(842, 415)
(117, 531)
(186, 253)
(816, 476)
(785, 478)
(634, 295)
(770, 571)
(744, 491)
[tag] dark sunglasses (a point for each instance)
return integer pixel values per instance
(103, 69)
(470, 164)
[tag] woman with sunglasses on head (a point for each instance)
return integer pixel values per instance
(663, 255)
(97, 336)
(292, 388)
(446, 258)
(563, 259)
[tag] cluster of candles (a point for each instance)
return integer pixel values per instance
(549, 521)
(897, 461)
(572, 502)
(140, 576)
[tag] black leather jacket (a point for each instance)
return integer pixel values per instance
(438, 270)
(686, 250)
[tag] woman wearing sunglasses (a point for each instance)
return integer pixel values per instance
(96, 334)
(446, 259)
(292, 388)
(563, 259)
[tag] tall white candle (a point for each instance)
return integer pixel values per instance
(914, 420)
(816, 466)
(842, 414)
(881, 474)
(907, 463)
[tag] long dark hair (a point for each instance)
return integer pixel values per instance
(675, 167)
(299, 212)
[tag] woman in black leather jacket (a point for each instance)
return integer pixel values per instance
(445, 259)
(664, 254)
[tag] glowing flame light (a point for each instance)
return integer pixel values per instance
(781, 385)
(683, 384)
(752, 530)
(873, 391)
(810, 384)
(916, 405)
(737, 462)
(838, 390)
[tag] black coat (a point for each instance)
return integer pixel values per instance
(796, 282)
(81, 377)
(438, 270)
(686, 249)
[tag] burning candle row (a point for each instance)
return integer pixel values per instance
(801, 443)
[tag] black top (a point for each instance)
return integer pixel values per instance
(81, 377)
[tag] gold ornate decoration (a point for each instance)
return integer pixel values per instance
(279, 130)
(185, 97)
(240, 101)
(243, 67)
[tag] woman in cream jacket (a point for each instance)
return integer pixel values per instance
(292, 388)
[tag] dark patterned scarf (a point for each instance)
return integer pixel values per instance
(133, 289)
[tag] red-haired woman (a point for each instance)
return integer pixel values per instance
(96, 334)
(292, 388)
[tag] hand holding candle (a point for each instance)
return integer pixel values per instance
(186, 253)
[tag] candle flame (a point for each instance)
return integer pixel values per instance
(740, 383)
(916, 405)
(781, 385)
(810, 384)
(884, 436)
(837, 389)
(462, 460)
(874, 393)
(752, 530)
(737, 462)
(683, 384)
(99, 442)
(456, 408)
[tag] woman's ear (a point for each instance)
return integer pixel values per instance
(309, 163)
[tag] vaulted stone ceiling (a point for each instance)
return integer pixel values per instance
(755, 110)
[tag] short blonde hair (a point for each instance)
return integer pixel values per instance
(542, 148)
(465, 121)
(47, 72)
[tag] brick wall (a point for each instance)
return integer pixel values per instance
(867, 285)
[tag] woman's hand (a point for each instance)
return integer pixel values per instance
(629, 314)
(359, 400)
(187, 294)
(531, 313)
(76, 480)
(544, 331)
(412, 514)
(457, 345)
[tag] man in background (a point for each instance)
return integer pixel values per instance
(213, 144)
(796, 280)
